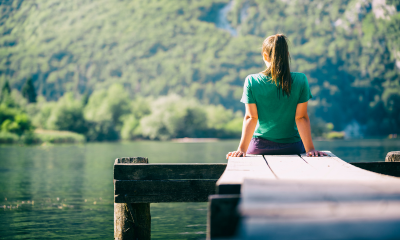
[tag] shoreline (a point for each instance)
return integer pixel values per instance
(49, 139)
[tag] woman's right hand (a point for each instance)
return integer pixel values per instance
(238, 153)
(315, 153)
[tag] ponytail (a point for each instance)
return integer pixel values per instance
(277, 50)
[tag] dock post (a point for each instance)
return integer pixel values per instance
(393, 156)
(132, 221)
(223, 217)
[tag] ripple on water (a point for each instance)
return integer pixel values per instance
(66, 191)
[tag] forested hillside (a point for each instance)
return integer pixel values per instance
(349, 50)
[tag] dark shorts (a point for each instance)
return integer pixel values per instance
(261, 146)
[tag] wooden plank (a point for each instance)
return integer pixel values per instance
(170, 190)
(260, 196)
(132, 160)
(316, 210)
(366, 229)
(172, 197)
(393, 156)
(159, 187)
(238, 169)
(222, 216)
(326, 210)
(259, 193)
(386, 168)
(334, 168)
(168, 171)
(131, 220)
(318, 193)
(291, 167)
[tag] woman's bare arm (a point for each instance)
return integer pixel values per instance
(249, 125)
(303, 125)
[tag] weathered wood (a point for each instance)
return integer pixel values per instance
(132, 160)
(238, 169)
(176, 197)
(326, 210)
(335, 169)
(162, 187)
(164, 190)
(168, 171)
(387, 168)
(291, 167)
(318, 210)
(124, 226)
(222, 216)
(393, 156)
(142, 215)
(321, 229)
(123, 223)
(258, 194)
(143, 183)
(319, 193)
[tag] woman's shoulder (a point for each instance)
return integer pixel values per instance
(299, 78)
(298, 75)
(256, 77)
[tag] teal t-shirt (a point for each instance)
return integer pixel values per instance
(276, 113)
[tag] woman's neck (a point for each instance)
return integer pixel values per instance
(268, 64)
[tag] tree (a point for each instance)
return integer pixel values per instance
(67, 115)
(5, 91)
(104, 113)
(174, 117)
(5, 97)
(28, 91)
(6, 88)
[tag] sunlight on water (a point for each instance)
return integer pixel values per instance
(66, 191)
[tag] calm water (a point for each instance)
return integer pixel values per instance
(66, 191)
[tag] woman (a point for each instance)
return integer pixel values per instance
(276, 120)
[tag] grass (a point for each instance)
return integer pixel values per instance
(52, 136)
(7, 137)
(42, 136)
(335, 135)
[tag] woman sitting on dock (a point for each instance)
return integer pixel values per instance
(276, 120)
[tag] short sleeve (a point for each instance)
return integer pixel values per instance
(305, 93)
(247, 96)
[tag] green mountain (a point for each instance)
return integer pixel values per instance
(349, 50)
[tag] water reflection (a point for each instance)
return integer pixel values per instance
(66, 191)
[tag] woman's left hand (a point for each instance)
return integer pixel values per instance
(237, 153)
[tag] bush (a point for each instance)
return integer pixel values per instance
(234, 127)
(172, 117)
(130, 128)
(66, 115)
(101, 131)
(105, 111)
(45, 110)
(13, 120)
(335, 135)
(218, 116)
(7, 137)
(52, 136)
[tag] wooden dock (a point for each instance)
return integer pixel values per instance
(259, 197)
(299, 197)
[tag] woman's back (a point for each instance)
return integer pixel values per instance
(276, 119)
(276, 111)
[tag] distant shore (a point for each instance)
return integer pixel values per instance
(194, 140)
(42, 136)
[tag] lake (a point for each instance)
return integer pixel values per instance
(66, 191)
